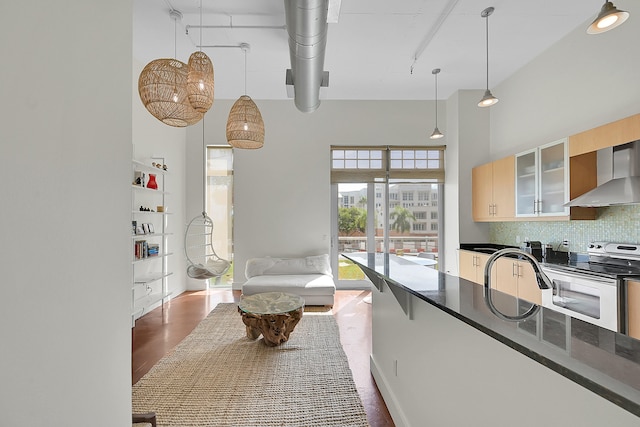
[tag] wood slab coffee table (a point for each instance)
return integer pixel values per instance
(272, 314)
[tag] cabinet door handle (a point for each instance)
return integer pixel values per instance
(537, 206)
(519, 270)
(514, 269)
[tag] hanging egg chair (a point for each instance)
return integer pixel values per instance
(202, 260)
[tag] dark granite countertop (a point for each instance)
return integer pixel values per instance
(605, 362)
(487, 248)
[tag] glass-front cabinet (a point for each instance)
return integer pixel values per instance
(542, 184)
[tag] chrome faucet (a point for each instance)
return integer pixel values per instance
(543, 281)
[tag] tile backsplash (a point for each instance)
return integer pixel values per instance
(613, 224)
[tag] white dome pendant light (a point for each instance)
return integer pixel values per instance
(436, 132)
(609, 18)
(488, 99)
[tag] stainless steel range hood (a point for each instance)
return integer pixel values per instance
(618, 178)
(307, 28)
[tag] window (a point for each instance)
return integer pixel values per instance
(391, 191)
(219, 202)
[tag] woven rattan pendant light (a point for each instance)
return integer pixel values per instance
(163, 90)
(162, 86)
(200, 82)
(245, 128)
(200, 78)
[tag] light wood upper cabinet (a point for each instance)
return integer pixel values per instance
(609, 135)
(493, 190)
(504, 188)
(482, 192)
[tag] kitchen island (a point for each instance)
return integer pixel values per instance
(440, 357)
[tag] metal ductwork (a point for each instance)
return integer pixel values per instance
(307, 28)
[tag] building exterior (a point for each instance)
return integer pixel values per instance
(421, 202)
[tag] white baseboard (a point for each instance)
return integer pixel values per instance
(387, 395)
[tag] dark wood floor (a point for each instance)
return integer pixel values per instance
(158, 332)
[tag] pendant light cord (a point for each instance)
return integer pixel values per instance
(436, 103)
(487, 40)
(245, 71)
(204, 173)
(200, 25)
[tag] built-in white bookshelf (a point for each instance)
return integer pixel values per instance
(149, 237)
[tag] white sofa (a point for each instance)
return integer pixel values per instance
(310, 277)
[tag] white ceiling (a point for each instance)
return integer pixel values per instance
(370, 51)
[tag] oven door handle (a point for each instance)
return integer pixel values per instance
(556, 274)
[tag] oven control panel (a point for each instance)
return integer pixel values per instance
(622, 250)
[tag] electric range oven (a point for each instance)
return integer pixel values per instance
(592, 289)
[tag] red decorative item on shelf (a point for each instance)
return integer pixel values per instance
(152, 182)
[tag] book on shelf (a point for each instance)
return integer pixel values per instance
(141, 249)
(153, 249)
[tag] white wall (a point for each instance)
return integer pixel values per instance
(580, 83)
(152, 138)
(65, 148)
(468, 147)
(282, 191)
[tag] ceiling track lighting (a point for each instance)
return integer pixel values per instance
(436, 132)
(609, 18)
(488, 99)
(245, 127)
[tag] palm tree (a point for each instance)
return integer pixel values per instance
(362, 203)
(401, 217)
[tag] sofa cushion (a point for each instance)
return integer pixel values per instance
(299, 284)
(317, 264)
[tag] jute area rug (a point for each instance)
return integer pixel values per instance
(218, 377)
